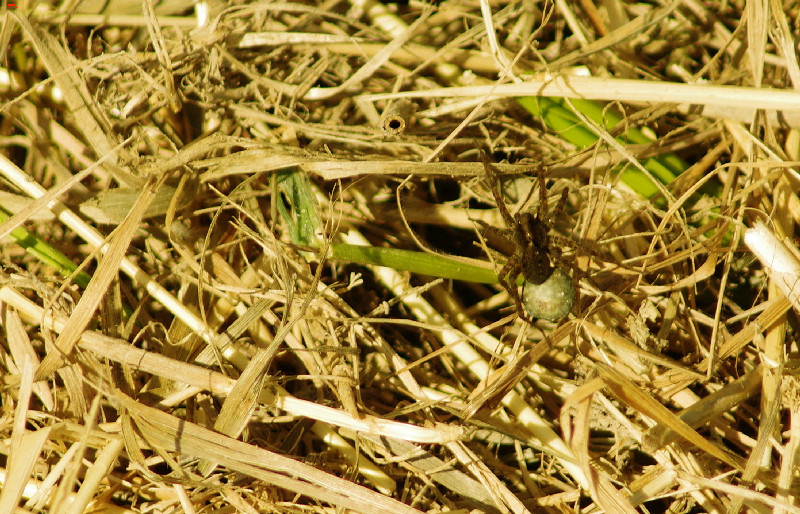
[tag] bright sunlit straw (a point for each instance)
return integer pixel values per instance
(779, 261)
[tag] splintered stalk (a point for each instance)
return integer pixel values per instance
(778, 259)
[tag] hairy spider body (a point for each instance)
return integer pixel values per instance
(547, 292)
(535, 246)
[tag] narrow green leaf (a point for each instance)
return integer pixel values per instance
(45, 253)
(416, 262)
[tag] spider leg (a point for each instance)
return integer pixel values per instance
(492, 231)
(495, 188)
(552, 243)
(512, 269)
(561, 203)
(542, 210)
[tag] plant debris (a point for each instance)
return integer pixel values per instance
(205, 173)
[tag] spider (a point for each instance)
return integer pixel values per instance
(547, 292)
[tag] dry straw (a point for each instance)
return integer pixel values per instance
(281, 256)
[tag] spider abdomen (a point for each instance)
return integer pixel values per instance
(551, 299)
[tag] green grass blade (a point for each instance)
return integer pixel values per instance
(415, 262)
(563, 120)
(298, 207)
(45, 253)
